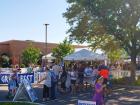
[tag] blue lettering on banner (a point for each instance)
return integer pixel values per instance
(28, 76)
(4, 78)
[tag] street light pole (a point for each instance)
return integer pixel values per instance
(46, 26)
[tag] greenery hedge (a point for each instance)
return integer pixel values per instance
(137, 82)
(16, 103)
(125, 81)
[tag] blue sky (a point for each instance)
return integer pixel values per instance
(24, 19)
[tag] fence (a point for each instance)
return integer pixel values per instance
(120, 74)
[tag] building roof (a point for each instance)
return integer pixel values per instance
(28, 41)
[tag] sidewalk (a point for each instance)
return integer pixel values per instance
(3, 92)
(121, 95)
(65, 99)
(127, 86)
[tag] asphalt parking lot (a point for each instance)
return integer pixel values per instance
(120, 96)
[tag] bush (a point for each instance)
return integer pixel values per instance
(22, 66)
(118, 81)
(125, 81)
(121, 81)
(137, 82)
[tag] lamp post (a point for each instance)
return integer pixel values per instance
(46, 26)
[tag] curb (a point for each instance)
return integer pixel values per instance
(127, 86)
(23, 102)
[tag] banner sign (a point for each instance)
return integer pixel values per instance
(82, 102)
(25, 92)
(4, 78)
(39, 76)
(28, 76)
(30, 90)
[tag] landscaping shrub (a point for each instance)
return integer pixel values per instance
(137, 82)
(22, 66)
(121, 81)
(125, 81)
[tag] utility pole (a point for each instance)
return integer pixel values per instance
(46, 46)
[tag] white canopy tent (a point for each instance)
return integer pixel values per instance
(84, 55)
(48, 56)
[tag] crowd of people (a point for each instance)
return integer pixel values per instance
(74, 78)
(70, 79)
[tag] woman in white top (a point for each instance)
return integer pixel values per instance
(46, 85)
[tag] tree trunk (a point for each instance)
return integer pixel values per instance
(133, 67)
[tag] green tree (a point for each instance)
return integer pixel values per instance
(117, 18)
(109, 46)
(30, 55)
(116, 55)
(62, 50)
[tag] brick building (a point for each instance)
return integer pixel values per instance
(14, 48)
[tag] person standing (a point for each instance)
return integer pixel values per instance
(81, 77)
(68, 81)
(104, 72)
(88, 75)
(73, 75)
(98, 94)
(63, 79)
(53, 83)
(46, 85)
(95, 74)
(56, 68)
(12, 86)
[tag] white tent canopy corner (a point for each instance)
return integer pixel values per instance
(84, 55)
(48, 56)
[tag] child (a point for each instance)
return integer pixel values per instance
(98, 95)
(12, 87)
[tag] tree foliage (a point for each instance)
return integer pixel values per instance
(30, 55)
(5, 60)
(89, 19)
(62, 50)
(109, 46)
(116, 55)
